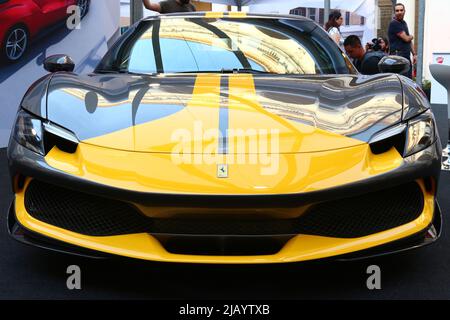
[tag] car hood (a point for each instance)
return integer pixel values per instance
(224, 113)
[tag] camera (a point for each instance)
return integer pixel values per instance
(374, 46)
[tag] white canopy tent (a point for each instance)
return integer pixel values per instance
(357, 6)
(365, 8)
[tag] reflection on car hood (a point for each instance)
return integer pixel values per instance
(155, 114)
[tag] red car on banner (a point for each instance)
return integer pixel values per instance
(21, 20)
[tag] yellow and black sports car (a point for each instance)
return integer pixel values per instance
(225, 138)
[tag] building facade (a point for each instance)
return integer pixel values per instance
(353, 23)
(385, 14)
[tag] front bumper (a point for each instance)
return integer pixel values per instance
(302, 247)
(424, 230)
(422, 238)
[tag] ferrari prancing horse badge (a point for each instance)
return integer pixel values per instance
(222, 171)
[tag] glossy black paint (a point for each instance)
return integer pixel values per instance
(353, 106)
(415, 100)
(340, 104)
(59, 62)
(35, 99)
(394, 64)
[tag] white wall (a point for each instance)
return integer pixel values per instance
(219, 7)
(437, 31)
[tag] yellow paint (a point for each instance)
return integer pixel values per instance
(247, 113)
(251, 171)
(299, 248)
(202, 111)
(216, 15)
(158, 172)
(237, 14)
(158, 135)
(296, 170)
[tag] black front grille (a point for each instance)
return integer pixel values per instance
(223, 245)
(346, 218)
(80, 212)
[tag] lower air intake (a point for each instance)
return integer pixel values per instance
(351, 217)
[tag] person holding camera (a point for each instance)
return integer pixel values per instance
(365, 61)
(384, 44)
(380, 44)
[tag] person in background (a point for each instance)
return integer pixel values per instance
(384, 44)
(378, 44)
(332, 26)
(399, 38)
(365, 61)
(169, 6)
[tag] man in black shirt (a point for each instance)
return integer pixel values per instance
(365, 62)
(399, 37)
(170, 6)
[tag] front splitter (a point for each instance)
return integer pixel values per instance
(423, 238)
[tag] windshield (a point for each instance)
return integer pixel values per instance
(257, 45)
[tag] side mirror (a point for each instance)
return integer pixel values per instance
(59, 62)
(394, 64)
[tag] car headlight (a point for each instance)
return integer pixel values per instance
(421, 133)
(408, 138)
(41, 136)
(28, 132)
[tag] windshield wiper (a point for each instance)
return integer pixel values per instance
(124, 71)
(223, 70)
(244, 70)
(108, 71)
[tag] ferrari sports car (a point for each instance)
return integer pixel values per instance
(22, 20)
(225, 138)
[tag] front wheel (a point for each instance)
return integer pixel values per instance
(15, 44)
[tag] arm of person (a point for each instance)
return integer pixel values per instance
(414, 53)
(337, 38)
(152, 6)
(402, 35)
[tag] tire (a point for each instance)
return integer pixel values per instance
(15, 44)
(84, 7)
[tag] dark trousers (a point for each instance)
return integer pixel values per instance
(410, 72)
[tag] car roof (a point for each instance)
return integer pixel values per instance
(231, 14)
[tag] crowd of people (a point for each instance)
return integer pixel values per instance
(366, 58)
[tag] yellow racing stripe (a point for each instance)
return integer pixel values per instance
(237, 14)
(160, 135)
(216, 15)
(246, 113)
(259, 171)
